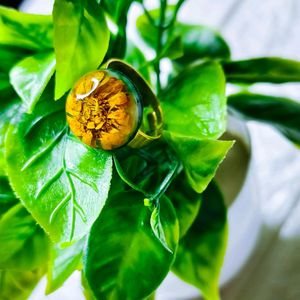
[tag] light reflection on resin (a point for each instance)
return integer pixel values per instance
(103, 111)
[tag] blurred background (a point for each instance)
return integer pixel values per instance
(270, 269)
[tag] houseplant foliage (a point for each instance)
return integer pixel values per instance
(123, 218)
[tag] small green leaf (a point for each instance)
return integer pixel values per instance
(200, 158)
(64, 261)
(7, 111)
(28, 31)
(201, 251)
(30, 77)
(264, 69)
(136, 58)
(81, 40)
(194, 103)
(63, 183)
(200, 42)
(186, 202)
(280, 112)
(173, 49)
(123, 253)
(148, 30)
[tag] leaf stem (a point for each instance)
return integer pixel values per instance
(159, 41)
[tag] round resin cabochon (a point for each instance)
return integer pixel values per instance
(104, 110)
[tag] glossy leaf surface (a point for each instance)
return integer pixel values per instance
(282, 113)
(62, 182)
(200, 158)
(7, 111)
(28, 31)
(264, 69)
(125, 252)
(201, 252)
(81, 40)
(30, 77)
(194, 103)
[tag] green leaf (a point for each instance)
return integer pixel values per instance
(280, 112)
(64, 261)
(18, 285)
(30, 77)
(200, 42)
(200, 158)
(186, 202)
(7, 111)
(16, 227)
(148, 31)
(81, 40)
(194, 103)
(28, 31)
(173, 49)
(118, 11)
(63, 183)
(124, 259)
(7, 197)
(264, 69)
(136, 58)
(10, 55)
(201, 252)
(20, 237)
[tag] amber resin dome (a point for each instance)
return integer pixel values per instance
(104, 110)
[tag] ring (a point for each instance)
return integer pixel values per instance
(114, 107)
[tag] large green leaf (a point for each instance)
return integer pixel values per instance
(194, 103)
(64, 261)
(186, 202)
(29, 31)
(200, 158)
(201, 252)
(63, 183)
(7, 111)
(200, 42)
(125, 259)
(30, 77)
(18, 285)
(280, 112)
(81, 40)
(264, 69)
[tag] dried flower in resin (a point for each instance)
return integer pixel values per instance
(103, 110)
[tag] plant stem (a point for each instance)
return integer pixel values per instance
(160, 32)
(174, 17)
